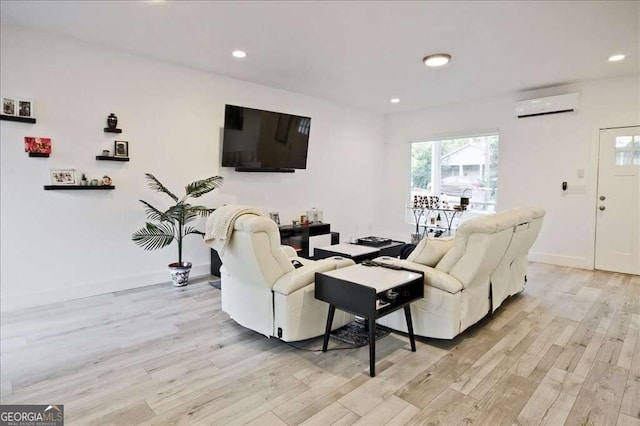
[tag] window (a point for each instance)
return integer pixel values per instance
(457, 167)
(628, 151)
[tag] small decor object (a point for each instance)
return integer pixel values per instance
(121, 149)
(112, 121)
(9, 106)
(165, 227)
(275, 217)
(63, 177)
(106, 180)
(314, 215)
(373, 241)
(105, 152)
(25, 109)
(94, 182)
(295, 223)
(83, 180)
(37, 145)
(303, 220)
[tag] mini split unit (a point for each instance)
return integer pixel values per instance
(548, 105)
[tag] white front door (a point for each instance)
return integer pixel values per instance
(618, 202)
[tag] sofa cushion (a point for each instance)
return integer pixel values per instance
(430, 250)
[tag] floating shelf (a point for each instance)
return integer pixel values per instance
(108, 130)
(109, 158)
(80, 187)
(38, 154)
(18, 119)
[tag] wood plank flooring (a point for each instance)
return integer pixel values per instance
(565, 351)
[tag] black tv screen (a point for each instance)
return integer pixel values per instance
(260, 139)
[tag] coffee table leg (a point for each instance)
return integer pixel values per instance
(412, 338)
(332, 310)
(372, 346)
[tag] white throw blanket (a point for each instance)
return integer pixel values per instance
(220, 225)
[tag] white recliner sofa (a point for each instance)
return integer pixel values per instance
(468, 276)
(263, 291)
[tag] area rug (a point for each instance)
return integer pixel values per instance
(355, 333)
(216, 284)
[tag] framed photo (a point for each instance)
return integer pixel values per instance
(25, 109)
(63, 177)
(37, 145)
(275, 217)
(9, 106)
(121, 149)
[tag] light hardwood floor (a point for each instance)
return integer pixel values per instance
(565, 351)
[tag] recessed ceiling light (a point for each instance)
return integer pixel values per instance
(616, 58)
(437, 60)
(239, 54)
(395, 100)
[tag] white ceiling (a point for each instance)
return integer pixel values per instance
(363, 53)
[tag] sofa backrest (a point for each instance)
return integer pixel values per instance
(479, 245)
(523, 240)
(253, 254)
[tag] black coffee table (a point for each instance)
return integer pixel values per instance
(359, 252)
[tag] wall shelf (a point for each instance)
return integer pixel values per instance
(78, 187)
(18, 119)
(109, 158)
(108, 130)
(38, 154)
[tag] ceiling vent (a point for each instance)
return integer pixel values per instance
(548, 105)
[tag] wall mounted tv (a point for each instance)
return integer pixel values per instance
(264, 141)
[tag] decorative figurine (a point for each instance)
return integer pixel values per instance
(84, 181)
(112, 121)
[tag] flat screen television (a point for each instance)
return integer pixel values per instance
(257, 140)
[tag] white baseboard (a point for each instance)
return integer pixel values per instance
(571, 261)
(27, 300)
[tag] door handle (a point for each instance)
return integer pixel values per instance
(602, 208)
(602, 198)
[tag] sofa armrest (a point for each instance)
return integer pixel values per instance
(432, 276)
(289, 251)
(302, 277)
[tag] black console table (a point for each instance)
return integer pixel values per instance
(294, 236)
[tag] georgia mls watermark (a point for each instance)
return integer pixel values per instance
(31, 415)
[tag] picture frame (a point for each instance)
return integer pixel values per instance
(37, 145)
(9, 106)
(275, 217)
(63, 177)
(24, 108)
(121, 149)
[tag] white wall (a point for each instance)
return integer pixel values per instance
(536, 155)
(60, 245)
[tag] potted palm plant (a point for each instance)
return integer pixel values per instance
(173, 224)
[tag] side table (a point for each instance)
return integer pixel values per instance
(370, 292)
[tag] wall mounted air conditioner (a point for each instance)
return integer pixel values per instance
(548, 105)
